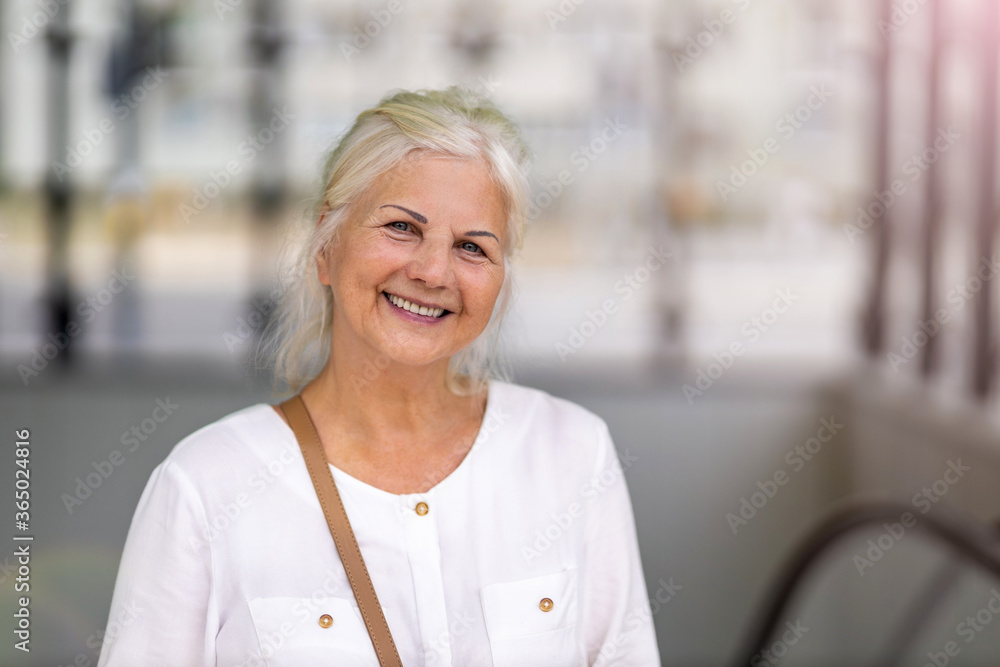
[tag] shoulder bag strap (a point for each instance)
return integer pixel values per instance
(340, 528)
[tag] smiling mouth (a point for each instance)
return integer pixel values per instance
(403, 304)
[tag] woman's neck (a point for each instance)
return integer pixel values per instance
(389, 405)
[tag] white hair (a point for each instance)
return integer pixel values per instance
(455, 123)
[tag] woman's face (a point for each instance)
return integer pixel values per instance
(431, 232)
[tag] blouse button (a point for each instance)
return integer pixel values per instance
(545, 604)
(422, 509)
(325, 621)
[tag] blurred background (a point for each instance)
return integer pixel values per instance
(761, 246)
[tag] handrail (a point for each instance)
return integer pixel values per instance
(970, 541)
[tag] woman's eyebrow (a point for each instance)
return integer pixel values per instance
(483, 234)
(416, 216)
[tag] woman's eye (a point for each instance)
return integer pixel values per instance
(400, 225)
(469, 246)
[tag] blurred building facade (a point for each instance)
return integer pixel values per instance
(637, 114)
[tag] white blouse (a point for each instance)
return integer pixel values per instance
(229, 560)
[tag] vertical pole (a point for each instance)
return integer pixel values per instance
(268, 193)
(874, 325)
(266, 44)
(932, 192)
(58, 192)
(983, 357)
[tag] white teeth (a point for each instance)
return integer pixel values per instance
(414, 308)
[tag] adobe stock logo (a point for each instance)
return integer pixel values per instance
(363, 36)
(901, 13)
(796, 458)
(772, 655)
(104, 468)
(122, 107)
(752, 329)
(32, 26)
(924, 501)
(958, 297)
(562, 522)
(88, 310)
(627, 286)
(786, 126)
(248, 150)
(705, 39)
(584, 155)
(968, 628)
(915, 167)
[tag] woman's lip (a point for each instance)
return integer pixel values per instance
(414, 301)
(414, 317)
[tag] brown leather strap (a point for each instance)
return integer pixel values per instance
(340, 527)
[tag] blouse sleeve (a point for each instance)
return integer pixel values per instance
(619, 625)
(163, 610)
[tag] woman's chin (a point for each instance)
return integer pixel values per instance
(406, 354)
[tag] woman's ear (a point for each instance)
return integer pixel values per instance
(323, 212)
(322, 268)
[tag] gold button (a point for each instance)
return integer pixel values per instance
(325, 621)
(422, 509)
(545, 604)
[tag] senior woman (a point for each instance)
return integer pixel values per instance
(493, 519)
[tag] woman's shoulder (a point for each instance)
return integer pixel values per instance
(245, 434)
(532, 414)
(538, 404)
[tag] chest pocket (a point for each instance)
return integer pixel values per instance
(316, 631)
(534, 621)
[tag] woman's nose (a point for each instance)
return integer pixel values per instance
(431, 263)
